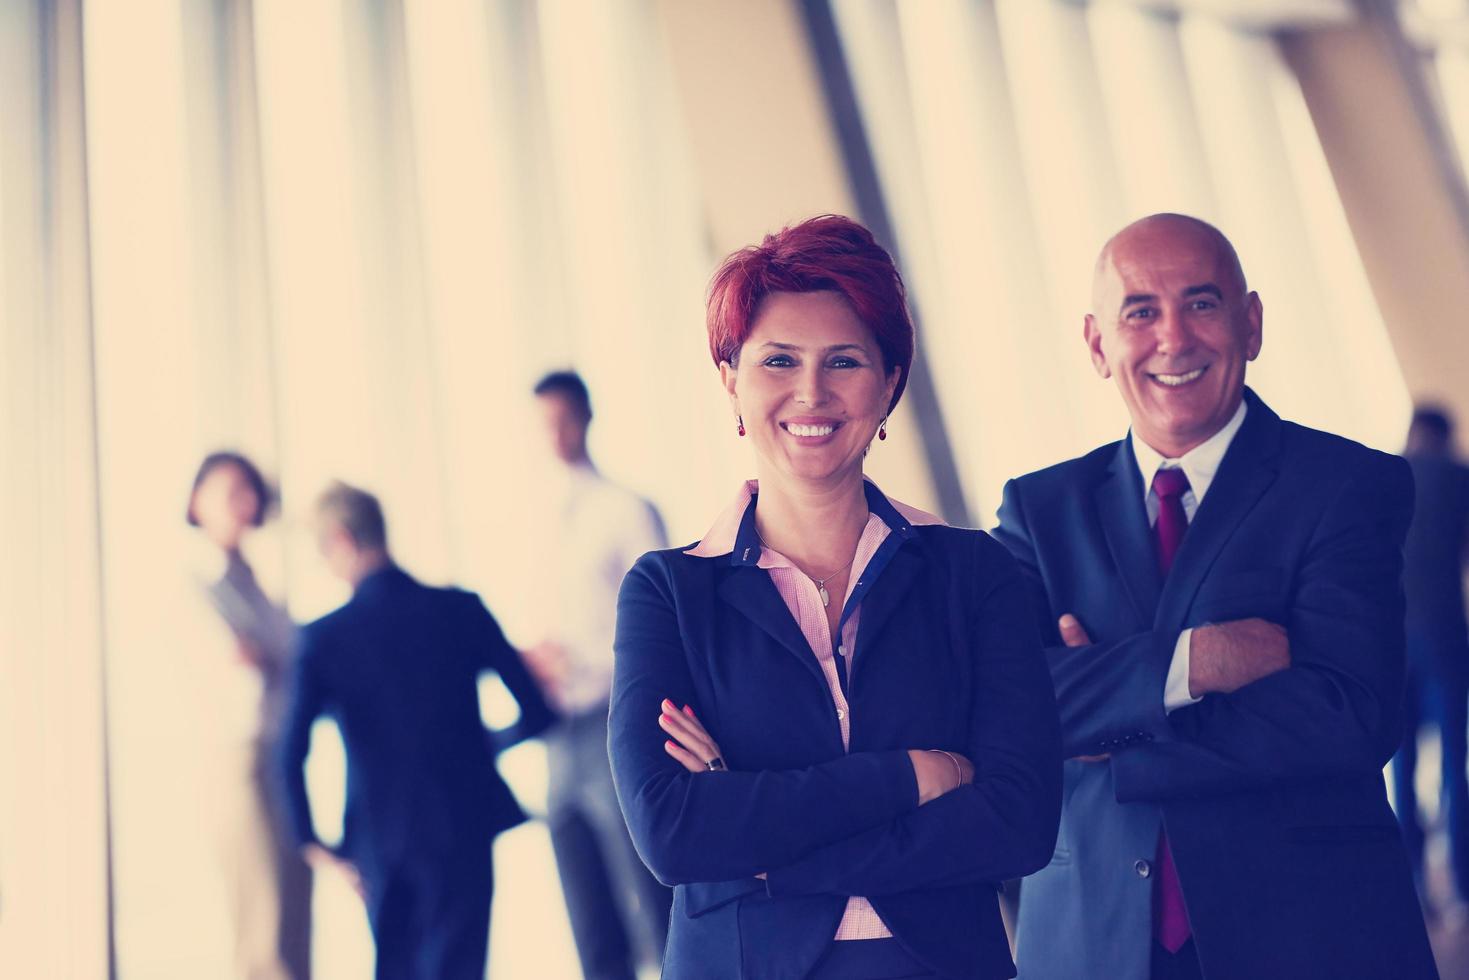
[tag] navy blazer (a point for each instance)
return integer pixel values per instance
(1273, 797)
(946, 657)
(398, 669)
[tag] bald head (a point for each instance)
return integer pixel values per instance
(1173, 324)
(1155, 237)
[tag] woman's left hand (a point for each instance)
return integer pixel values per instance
(689, 743)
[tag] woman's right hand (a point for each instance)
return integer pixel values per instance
(939, 772)
(693, 747)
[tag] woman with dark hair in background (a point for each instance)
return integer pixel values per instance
(241, 688)
(832, 727)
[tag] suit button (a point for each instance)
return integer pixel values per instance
(1142, 868)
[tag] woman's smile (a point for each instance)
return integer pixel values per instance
(811, 431)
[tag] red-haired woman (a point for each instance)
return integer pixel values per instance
(832, 727)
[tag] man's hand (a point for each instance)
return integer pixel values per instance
(321, 859)
(548, 664)
(1073, 634)
(1224, 657)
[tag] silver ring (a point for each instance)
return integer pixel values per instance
(715, 764)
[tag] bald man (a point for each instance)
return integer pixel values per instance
(1221, 600)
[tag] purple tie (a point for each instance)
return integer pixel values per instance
(1170, 915)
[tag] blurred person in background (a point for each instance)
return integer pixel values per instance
(831, 727)
(240, 682)
(398, 669)
(618, 910)
(1438, 647)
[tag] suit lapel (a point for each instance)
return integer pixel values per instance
(1123, 516)
(1249, 467)
(896, 578)
(749, 590)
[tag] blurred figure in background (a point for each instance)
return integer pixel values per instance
(398, 668)
(1438, 647)
(614, 903)
(241, 687)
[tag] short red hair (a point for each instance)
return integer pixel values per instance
(825, 253)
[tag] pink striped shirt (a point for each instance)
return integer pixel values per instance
(860, 920)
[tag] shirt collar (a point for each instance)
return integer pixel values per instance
(733, 531)
(1199, 464)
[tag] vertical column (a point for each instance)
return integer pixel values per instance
(354, 360)
(494, 283)
(1066, 148)
(228, 309)
(1398, 181)
(1150, 112)
(146, 257)
(55, 913)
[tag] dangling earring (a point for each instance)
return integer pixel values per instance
(741, 420)
(882, 428)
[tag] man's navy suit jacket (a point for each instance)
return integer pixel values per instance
(1272, 796)
(946, 657)
(398, 668)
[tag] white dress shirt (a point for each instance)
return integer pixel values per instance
(602, 530)
(1199, 465)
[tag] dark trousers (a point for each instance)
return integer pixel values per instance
(1443, 702)
(431, 918)
(617, 908)
(1182, 965)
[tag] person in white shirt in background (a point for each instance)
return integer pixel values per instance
(618, 911)
(239, 680)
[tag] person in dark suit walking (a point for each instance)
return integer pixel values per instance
(1220, 595)
(1438, 647)
(397, 667)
